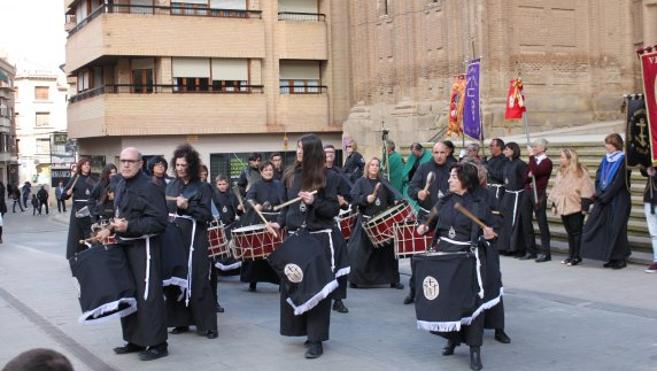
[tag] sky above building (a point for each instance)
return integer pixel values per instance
(32, 33)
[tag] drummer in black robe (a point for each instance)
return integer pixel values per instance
(371, 266)
(495, 167)
(517, 230)
(264, 195)
(191, 209)
(605, 232)
(439, 170)
(141, 215)
(344, 198)
(316, 214)
(457, 233)
(101, 202)
(79, 188)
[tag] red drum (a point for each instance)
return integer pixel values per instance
(347, 221)
(254, 242)
(408, 242)
(217, 241)
(379, 229)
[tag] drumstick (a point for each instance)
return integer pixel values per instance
(290, 202)
(470, 216)
(239, 198)
(376, 189)
(77, 176)
(261, 216)
(429, 181)
(173, 198)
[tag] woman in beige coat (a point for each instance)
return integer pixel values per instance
(573, 188)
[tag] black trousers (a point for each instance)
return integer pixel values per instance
(539, 211)
(314, 324)
(61, 205)
(41, 204)
(573, 224)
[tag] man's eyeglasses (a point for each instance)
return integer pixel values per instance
(349, 146)
(128, 162)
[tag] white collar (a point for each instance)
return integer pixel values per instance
(614, 156)
(540, 158)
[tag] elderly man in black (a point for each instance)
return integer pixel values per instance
(140, 215)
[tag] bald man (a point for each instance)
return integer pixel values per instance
(438, 187)
(141, 215)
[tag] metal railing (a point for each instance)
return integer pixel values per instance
(297, 16)
(165, 89)
(174, 9)
(290, 89)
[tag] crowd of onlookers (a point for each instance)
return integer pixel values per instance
(28, 195)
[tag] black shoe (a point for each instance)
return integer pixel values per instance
(567, 261)
(315, 350)
(210, 334)
(608, 264)
(339, 306)
(180, 330)
(153, 353)
(129, 348)
(543, 258)
(619, 264)
(575, 261)
(448, 350)
(397, 285)
(409, 299)
(475, 359)
(220, 309)
(528, 257)
(353, 285)
(252, 286)
(502, 337)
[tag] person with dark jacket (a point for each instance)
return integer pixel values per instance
(3, 197)
(27, 190)
(59, 195)
(42, 196)
(35, 204)
(250, 175)
(16, 197)
(354, 164)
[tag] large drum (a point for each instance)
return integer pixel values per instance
(346, 222)
(254, 242)
(106, 286)
(408, 242)
(380, 228)
(217, 241)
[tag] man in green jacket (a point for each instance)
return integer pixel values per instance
(418, 156)
(396, 166)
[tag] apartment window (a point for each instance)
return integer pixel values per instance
(83, 80)
(191, 74)
(299, 77)
(41, 92)
(141, 6)
(189, 7)
(296, 6)
(42, 146)
(42, 119)
(4, 109)
(142, 75)
(230, 75)
(4, 142)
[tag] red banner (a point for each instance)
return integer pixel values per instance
(649, 71)
(515, 101)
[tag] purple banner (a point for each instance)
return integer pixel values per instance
(471, 119)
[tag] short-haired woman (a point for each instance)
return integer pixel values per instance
(573, 187)
(605, 232)
(79, 189)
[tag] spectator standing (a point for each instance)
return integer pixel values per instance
(42, 196)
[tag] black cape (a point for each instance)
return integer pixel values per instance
(78, 228)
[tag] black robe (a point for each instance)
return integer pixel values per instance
(78, 228)
(494, 317)
(226, 203)
(369, 265)
(344, 190)
(495, 167)
(438, 187)
(201, 310)
(316, 218)
(268, 193)
(353, 166)
(604, 236)
(516, 232)
(451, 224)
(142, 204)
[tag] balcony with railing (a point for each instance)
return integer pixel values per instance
(140, 30)
(301, 17)
(128, 109)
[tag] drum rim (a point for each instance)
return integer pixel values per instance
(390, 211)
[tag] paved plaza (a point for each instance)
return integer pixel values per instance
(559, 318)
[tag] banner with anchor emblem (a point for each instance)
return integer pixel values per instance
(637, 131)
(648, 57)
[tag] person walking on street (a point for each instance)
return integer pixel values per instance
(16, 196)
(27, 190)
(59, 195)
(35, 204)
(42, 196)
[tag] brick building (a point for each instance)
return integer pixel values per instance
(228, 76)
(8, 148)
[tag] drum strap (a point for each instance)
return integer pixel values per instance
(188, 292)
(474, 241)
(146, 237)
(515, 204)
